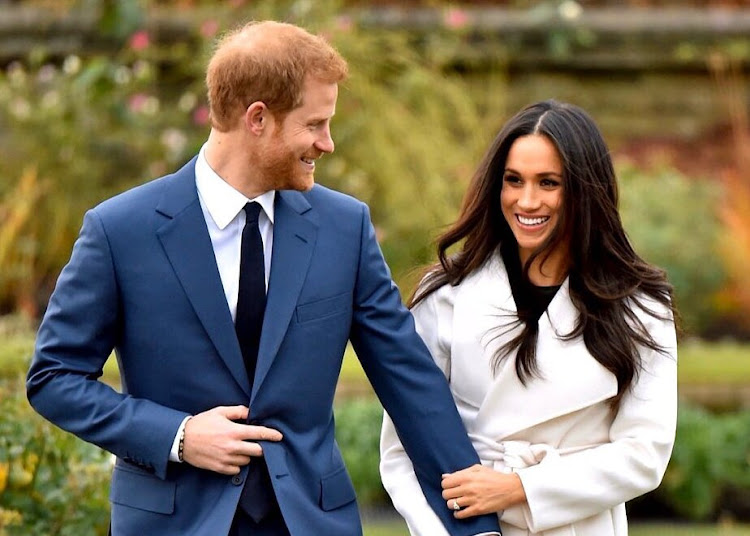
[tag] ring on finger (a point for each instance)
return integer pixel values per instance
(455, 505)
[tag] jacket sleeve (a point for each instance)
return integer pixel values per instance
(78, 333)
(565, 489)
(396, 469)
(411, 388)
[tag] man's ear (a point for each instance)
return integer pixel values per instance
(256, 118)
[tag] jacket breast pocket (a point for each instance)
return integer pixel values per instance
(336, 489)
(143, 491)
(327, 307)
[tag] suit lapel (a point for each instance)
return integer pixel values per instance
(294, 235)
(186, 242)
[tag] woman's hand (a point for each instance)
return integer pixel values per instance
(481, 490)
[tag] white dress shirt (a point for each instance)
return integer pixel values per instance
(222, 207)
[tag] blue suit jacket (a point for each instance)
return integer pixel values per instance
(143, 280)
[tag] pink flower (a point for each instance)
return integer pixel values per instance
(140, 40)
(344, 23)
(137, 101)
(201, 115)
(209, 28)
(455, 18)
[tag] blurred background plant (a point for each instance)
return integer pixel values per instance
(76, 133)
(700, 474)
(681, 236)
(70, 136)
(125, 103)
(734, 245)
(410, 127)
(51, 483)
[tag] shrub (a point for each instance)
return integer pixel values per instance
(711, 458)
(70, 136)
(51, 483)
(673, 223)
(358, 423)
(75, 132)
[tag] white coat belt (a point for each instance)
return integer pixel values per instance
(510, 456)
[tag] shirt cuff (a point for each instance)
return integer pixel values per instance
(174, 455)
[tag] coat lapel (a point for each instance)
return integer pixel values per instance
(571, 378)
(294, 235)
(184, 237)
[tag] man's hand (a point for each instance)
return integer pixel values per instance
(214, 442)
(480, 490)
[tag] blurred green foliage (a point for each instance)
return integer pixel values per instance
(358, 423)
(74, 133)
(408, 134)
(711, 455)
(70, 136)
(408, 130)
(673, 222)
(51, 483)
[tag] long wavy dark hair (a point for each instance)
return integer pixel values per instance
(607, 279)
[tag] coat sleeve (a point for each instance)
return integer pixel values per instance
(564, 489)
(396, 469)
(78, 333)
(411, 388)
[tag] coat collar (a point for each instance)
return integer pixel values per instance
(571, 379)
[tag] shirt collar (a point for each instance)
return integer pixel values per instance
(221, 200)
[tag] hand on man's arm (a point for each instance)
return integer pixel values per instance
(479, 490)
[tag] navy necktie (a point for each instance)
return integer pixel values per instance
(257, 496)
(251, 297)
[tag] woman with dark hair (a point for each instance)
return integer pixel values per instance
(557, 339)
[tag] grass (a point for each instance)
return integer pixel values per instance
(658, 529)
(397, 528)
(721, 362)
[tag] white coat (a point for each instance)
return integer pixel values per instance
(579, 459)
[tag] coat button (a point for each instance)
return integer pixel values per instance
(237, 480)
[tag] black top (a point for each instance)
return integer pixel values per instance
(531, 300)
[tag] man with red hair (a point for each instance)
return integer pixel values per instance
(229, 290)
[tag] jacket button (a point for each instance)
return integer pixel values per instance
(237, 480)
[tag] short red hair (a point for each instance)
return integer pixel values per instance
(267, 61)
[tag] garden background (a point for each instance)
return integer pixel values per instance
(99, 95)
